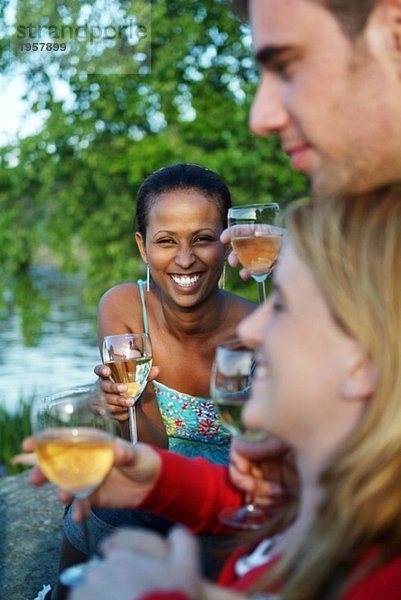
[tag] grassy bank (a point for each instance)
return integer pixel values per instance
(13, 428)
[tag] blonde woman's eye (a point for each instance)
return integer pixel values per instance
(277, 304)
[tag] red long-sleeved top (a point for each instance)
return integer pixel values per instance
(193, 492)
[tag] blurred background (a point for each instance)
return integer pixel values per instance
(79, 131)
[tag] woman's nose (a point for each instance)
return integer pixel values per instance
(185, 257)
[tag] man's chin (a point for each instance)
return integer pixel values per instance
(323, 187)
(329, 183)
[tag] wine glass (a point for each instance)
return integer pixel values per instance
(256, 237)
(231, 384)
(73, 441)
(129, 357)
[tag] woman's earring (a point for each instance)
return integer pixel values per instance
(223, 277)
(147, 277)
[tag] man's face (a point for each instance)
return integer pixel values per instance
(331, 99)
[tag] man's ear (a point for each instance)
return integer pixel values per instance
(360, 380)
(393, 9)
(389, 13)
(141, 245)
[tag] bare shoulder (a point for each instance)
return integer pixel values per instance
(120, 309)
(239, 307)
(122, 293)
(235, 310)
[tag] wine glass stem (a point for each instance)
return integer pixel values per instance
(132, 424)
(251, 502)
(262, 291)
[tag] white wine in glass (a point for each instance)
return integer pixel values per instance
(256, 237)
(231, 386)
(73, 441)
(129, 357)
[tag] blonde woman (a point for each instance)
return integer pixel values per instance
(328, 383)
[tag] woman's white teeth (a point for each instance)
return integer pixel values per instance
(186, 281)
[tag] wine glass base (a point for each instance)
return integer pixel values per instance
(249, 517)
(75, 575)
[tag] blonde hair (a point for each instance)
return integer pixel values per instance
(353, 247)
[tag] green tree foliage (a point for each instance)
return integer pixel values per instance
(72, 187)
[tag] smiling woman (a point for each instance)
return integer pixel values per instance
(185, 261)
(181, 212)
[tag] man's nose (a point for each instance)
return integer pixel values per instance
(268, 113)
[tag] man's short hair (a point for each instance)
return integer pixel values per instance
(353, 15)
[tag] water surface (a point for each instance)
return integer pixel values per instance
(67, 349)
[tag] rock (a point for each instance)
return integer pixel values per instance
(30, 537)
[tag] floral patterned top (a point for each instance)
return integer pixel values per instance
(192, 424)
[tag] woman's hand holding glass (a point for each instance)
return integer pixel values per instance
(129, 358)
(231, 384)
(136, 468)
(115, 393)
(265, 469)
(73, 442)
(255, 232)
